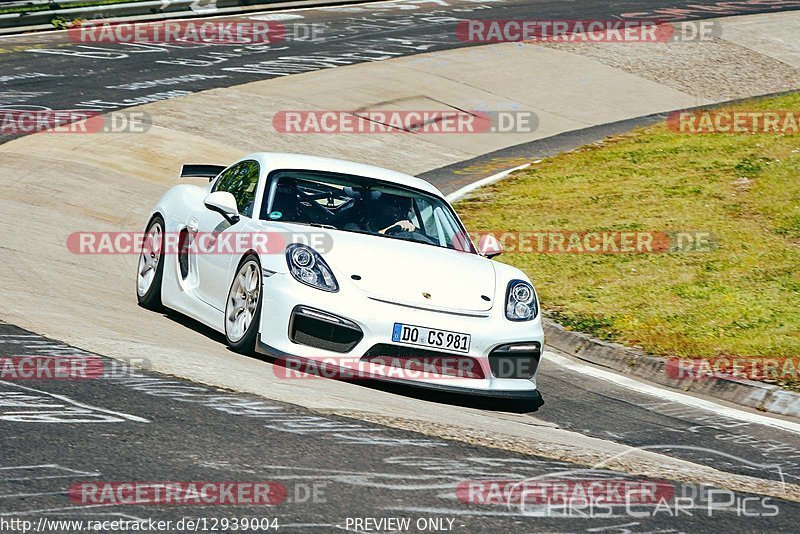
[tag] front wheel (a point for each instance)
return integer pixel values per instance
(150, 270)
(243, 307)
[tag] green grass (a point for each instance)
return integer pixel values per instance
(742, 298)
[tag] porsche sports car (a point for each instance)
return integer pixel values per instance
(355, 267)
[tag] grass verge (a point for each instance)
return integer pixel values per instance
(740, 299)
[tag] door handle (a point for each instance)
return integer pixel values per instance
(191, 225)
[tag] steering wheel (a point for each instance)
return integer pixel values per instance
(416, 235)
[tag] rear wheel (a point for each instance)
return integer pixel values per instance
(243, 306)
(150, 270)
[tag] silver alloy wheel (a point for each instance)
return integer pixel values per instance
(149, 258)
(243, 300)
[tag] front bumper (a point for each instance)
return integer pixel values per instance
(374, 320)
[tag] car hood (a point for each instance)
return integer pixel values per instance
(412, 274)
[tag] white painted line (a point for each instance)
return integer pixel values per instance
(672, 396)
(458, 195)
(27, 466)
(186, 15)
(83, 507)
(454, 511)
(276, 16)
(78, 404)
(16, 495)
(51, 477)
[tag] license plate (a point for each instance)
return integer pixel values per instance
(430, 337)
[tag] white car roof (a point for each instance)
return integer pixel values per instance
(277, 160)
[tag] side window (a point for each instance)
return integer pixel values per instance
(430, 224)
(241, 181)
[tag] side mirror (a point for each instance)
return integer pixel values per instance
(223, 203)
(489, 246)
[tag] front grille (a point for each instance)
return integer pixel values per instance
(424, 361)
(518, 360)
(322, 330)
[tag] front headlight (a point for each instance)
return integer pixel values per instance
(520, 301)
(308, 267)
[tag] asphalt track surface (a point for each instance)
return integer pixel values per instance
(392, 472)
(135, 426)
(52, 71)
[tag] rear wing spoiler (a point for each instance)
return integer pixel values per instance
(201, 171)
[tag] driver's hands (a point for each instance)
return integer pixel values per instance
(406, 225)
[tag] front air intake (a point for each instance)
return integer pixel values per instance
(323, 330)
(517, 360)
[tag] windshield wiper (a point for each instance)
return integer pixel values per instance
(315, 225)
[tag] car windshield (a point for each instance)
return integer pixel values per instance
(363, 205)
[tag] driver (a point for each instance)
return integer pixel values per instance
(389, 213)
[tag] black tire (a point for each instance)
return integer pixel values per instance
(246, 344)
(151, 298)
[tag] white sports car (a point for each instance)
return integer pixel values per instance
(334, 263)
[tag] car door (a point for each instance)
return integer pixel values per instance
(212, 260)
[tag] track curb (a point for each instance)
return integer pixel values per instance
(633, 362)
